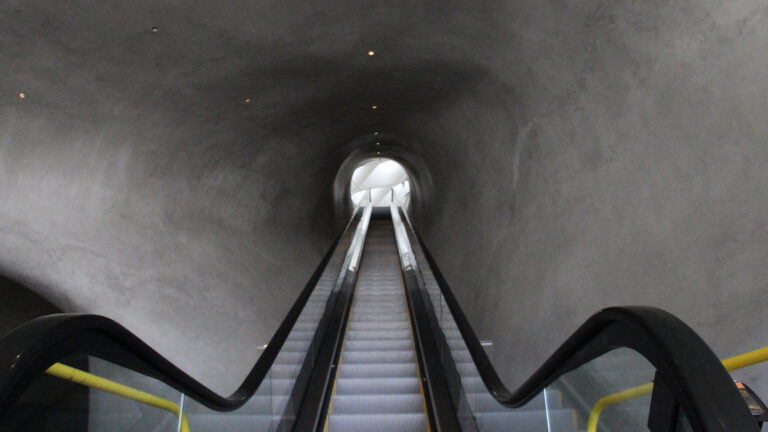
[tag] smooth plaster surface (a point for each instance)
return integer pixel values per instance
(565, 156)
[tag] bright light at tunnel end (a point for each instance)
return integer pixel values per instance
(380, 180)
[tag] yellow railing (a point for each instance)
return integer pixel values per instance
(740, 361)
(90, 380)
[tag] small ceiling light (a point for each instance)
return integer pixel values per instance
(22, 95)
(374, 107)
(378, 143)
(370, 53)
(247, 100)
(154, 29)
(378, 153)
(375, 133)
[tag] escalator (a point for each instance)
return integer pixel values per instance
(375, 342)
(377, 387)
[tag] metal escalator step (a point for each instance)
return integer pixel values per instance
(371, 386)
(377, 423)
(380, 309)
(380, 325)
(378, 317)
(380, 299)
(393, 294)
(378, 345)
(373, 404)
(378, 370)
(378, 334)
(404, 356)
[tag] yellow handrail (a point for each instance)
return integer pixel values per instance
(737, 362)
(84, 378)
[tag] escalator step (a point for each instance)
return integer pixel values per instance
(371, 404)
(352, 357)
(378, 370)
(377, 422)
(371, 386)
(378, 345)
(378, 334)
(380, 325)
(362, 317)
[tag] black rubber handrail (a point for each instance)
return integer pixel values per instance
(27, 351)
(696, 377)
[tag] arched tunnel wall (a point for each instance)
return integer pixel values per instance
(569, 155)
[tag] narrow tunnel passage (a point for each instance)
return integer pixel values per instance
(380, 181)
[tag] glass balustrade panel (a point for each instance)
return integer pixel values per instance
(60, 403)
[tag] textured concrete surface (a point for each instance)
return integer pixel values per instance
(638, 176)
(565, 156)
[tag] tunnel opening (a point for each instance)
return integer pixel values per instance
(380, 181)
(408, 176)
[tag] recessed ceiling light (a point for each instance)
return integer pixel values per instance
(374, 107)
(370, 53)
(22, 95)
(378, 143)
(375, 133)
(247, 100)
(154, 29)
(378, 153)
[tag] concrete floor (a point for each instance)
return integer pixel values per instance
(566, 156)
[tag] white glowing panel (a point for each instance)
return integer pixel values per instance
(376, 179)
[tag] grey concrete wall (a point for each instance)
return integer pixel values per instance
(136, 182)
(199, 255)
(637, 176)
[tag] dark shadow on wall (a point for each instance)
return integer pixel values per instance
(19, 304)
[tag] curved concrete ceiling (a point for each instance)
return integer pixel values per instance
(556, 151)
